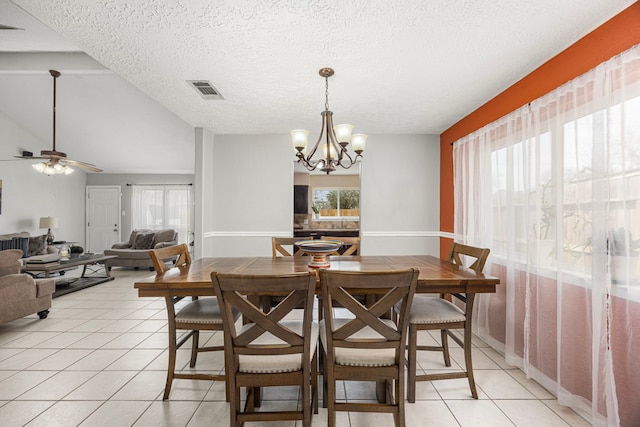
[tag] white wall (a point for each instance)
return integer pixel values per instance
(400, 195)
(28, 195)
(252, 194)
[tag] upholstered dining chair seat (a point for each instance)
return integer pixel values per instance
(276, 363)
(426, 310)
(432, 314)
(203, 311)
(355, 356)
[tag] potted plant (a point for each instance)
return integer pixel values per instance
(543, 242)
(75, 251)
(623, 253)
(316, 211)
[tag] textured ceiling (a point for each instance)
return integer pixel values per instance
(402, 66)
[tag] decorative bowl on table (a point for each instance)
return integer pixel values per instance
(319, 250)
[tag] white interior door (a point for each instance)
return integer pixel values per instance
(103, 217)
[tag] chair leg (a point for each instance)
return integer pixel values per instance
(445, 347)
(330, 397)
(400, 396)
(314, 382)
(324, 375)
(411, 361)
(194, 348)
(234, 406)
(306, 397)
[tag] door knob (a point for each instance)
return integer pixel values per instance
(115, 229)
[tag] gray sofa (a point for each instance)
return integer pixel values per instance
(21, 294)
(135, 251)
(32, 246)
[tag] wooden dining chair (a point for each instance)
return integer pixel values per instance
(430, 313)
(197, 315)
(285, 246)
(366, 347)
(270, 350)
(350, 245)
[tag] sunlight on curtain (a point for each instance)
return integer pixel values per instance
(554, 190)
(156, 207)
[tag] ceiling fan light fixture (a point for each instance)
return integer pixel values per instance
(52, 169)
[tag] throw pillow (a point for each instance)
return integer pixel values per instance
(143, 241)
(38, 245)
(5, 244)
(21, 243)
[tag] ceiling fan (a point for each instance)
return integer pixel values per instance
(56, 162)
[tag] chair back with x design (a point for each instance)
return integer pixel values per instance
(366, 345)
(269, 349)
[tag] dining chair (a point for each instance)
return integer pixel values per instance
(366, 346)
(430, 313)
(270, 350)
(197, 315)
(350, 245)
(280, 245)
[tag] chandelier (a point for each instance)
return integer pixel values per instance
(336, 139)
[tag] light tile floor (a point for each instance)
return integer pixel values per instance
(100, 358)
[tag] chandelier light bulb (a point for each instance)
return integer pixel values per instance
(332, 149)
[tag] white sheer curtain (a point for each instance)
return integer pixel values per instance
(554, 190)
(156, 207)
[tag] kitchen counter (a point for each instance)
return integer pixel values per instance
(316, 233)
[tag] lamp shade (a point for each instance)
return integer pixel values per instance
(299, 139)
(358, 142)
(48, 222)
(343, 132)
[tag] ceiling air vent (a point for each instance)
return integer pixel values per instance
(205, 89)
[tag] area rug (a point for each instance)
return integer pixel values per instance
(66, 286)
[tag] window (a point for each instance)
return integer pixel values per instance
(157, 207)
(553, 189)
(336, 202)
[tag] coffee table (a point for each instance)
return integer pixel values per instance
(90, 263)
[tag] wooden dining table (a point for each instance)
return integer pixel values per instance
(436, 275)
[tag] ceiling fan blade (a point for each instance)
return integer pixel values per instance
(86, 166)
(32, 157)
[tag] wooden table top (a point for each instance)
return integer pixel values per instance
(436, 275)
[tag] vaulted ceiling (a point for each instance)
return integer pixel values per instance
(402, 67)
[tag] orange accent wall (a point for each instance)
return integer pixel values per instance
(613, 37)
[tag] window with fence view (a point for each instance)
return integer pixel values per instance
(336, 202)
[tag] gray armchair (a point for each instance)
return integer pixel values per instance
(21, 294)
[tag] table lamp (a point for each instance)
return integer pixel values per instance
(49, 222)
